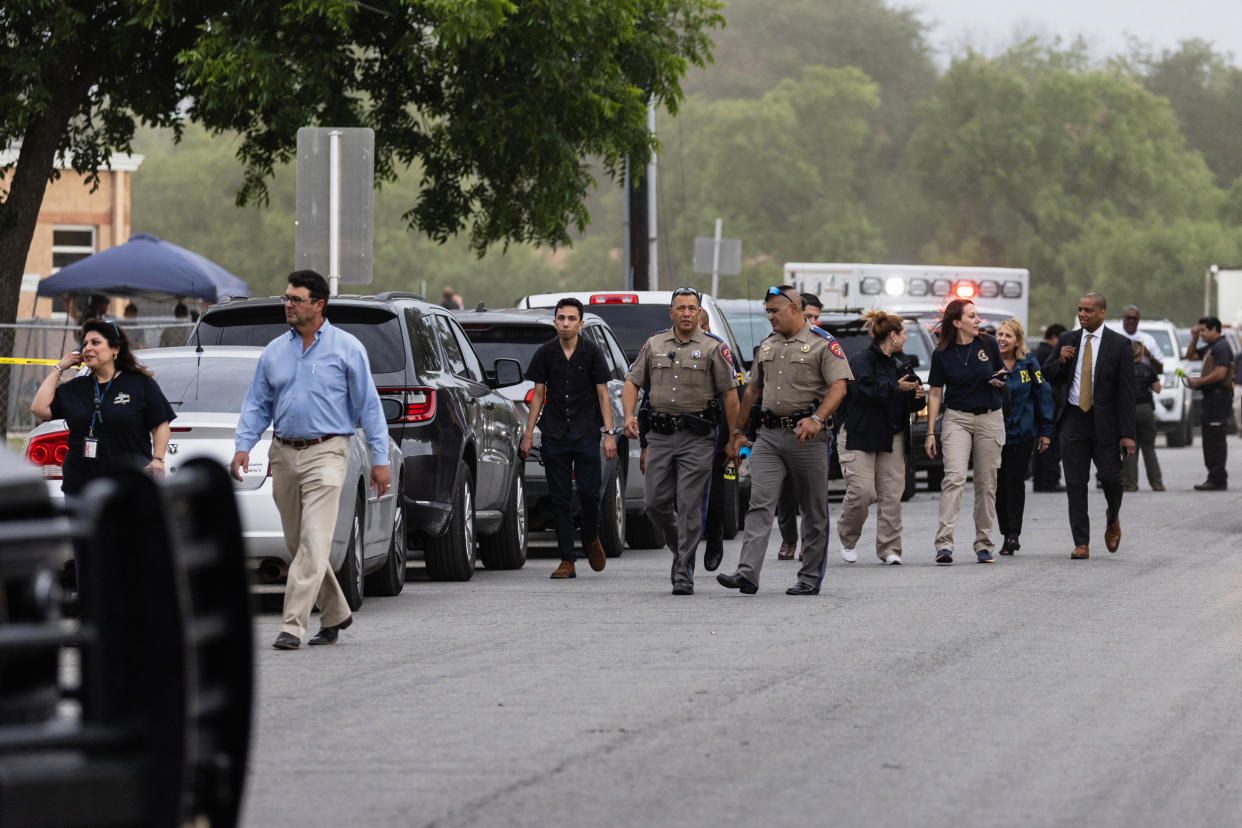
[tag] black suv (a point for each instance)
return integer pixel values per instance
(518, 333)
(459, 437)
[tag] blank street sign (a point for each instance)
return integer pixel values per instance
(730, 255)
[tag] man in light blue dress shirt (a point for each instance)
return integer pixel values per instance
(314, 385)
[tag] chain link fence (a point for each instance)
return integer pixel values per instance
(44, 339)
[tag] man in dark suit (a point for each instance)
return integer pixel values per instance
(1092, 376)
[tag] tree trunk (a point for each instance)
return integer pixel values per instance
(639, 250)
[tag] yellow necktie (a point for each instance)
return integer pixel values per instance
(1084, 380)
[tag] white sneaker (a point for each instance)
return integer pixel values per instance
(848, 555)
(892, 559)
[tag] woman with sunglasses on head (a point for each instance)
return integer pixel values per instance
(966, 377)
(873, 444)
(1028, 424)
(116, 412)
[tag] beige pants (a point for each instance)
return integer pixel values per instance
(306, 485)
(963, 436)
(871, 477)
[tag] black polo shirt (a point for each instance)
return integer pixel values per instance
(570, 404)
(1221, 355)
(964, 370)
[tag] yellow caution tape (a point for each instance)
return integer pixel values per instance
(27, 361)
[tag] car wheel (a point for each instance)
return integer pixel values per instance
(390, 578)
(641, 533)
(729, 512)
(350, 576)
(612, 514)
(507, 548)
(450, 557)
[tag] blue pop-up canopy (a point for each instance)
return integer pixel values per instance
(146, 264)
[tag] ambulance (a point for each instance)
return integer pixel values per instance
(920, 291)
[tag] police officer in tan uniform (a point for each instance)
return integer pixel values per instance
(684, 369)
(800, 372)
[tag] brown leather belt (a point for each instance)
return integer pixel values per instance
(314, 441)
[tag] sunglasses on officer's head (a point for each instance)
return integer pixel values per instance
(775, 291)
(686, 291)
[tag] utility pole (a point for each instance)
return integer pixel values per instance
(637, 274)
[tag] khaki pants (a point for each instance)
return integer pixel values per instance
(306, 485)
(963, 437)
(871, 477)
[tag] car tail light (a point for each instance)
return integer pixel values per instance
(420, 402)
(613, 299)
(48, 451)
(530, 397)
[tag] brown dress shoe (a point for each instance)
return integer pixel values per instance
(787, 552)
(565, 570)
(1112, 536)
(1080, 553)
(596, 555)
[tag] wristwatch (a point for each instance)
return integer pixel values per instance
(816, 418)
(611, 432)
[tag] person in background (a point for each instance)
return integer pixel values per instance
(177, 334)
(1214, 380)
(966, 376)
(1027, 402)
(811, 307)
(1146, 380)
(1130, 327)
(136, 335)
(875, 439)
(448, 299)
(1046, 466)
(96, 307)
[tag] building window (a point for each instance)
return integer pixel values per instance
(69, 244)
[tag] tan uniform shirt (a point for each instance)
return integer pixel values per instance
(794, 374)
(684, 376)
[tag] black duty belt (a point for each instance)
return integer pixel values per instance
(701, 423)
(313, 441)
(789, 422)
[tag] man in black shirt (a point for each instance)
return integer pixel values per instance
(1214, 380)
(571, 375)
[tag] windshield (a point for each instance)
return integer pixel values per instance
(1162, 339)
(916, 345)
(518, 342)
(213, 384)
(750, 328)
(633, 324)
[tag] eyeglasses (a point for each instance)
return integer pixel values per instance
(296, 300)
(687, 291)
(775, 291)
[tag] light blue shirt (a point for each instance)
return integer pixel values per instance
(326, 389)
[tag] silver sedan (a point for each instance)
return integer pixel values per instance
(206, 389)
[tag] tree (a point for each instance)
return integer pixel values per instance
(500, 104)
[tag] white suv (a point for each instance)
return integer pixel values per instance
(1173, 414)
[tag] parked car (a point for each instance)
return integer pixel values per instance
(1176, 415)
(633, 316)
(206, 390)
(750, 324)
(461, 474)
(518, 333)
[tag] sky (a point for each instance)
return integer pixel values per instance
(989, 26)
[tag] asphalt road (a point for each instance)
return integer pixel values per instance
(1035, 691)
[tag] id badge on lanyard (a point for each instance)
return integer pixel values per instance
(90, 444)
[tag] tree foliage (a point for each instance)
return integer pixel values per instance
(501, 105)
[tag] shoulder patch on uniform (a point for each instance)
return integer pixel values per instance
(833, 346)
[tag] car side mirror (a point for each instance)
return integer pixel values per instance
(394, 410)
(508, 372)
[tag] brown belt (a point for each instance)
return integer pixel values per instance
(314, 441)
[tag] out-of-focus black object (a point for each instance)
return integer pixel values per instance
(155, 731)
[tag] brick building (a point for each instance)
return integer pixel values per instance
(74, 222)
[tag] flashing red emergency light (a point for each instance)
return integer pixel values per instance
(965, 289)
(613, 299)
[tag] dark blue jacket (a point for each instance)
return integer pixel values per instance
(875, 408)
(1028, 409)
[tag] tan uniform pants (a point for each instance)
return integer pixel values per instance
(873, 477)
(306, 485)
(963, 437)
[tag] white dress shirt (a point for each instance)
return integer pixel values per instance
(1094, 336)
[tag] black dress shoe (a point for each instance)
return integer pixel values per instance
(1209, 486)
(683, 589)
(328, 635)
(287, 641)
(802, 589)
(736, 581)
(713, 556)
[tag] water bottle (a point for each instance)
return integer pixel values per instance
(743, 452)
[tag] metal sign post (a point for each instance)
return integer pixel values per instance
(335, 185)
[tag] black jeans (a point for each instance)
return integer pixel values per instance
(1216, 411)
(1079, 448)
(568, 461)
(1011, 486)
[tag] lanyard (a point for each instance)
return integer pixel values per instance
(99, 398)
